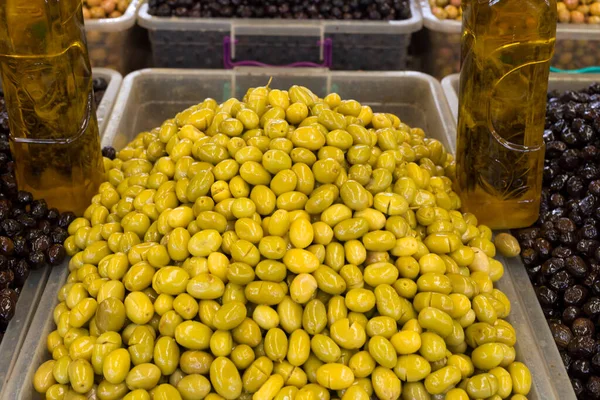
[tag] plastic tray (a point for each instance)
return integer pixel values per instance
(31, 293)
(150, 96)
(112, 42)
(577, 46)
(114, 79)
(341, 45)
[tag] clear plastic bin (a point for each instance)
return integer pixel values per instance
(150, 96)
(114, 79)
(560, 82)
(112, 42)
(340, 45)
(577, 46)
(31, 293)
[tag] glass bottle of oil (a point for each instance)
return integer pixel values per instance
(47, 82)
(506, 49)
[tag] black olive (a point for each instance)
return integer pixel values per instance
(24, 197)
(566, 359)
(11, 227)
(529, 256)
(588, 232)
(587, 205)
(561, 252)
(109, 152)
(36, 260)
(577, 387)
(552, 265)
(7, 246)
(580, 368)
(546, 296)
(576, 266)
(6, 278)
(52, 215)
(20, 245)
(21, 273)
(543, 247)
(587, 247)
(528, 233)
(7, 308)
(593, 386)
(44, 226)
(65, 219)
(56, 254)
(583, 327)
(570, 314)
(575, 295)
(560, 281)
(39, 209)
(59, 235)
(581, 347)
(41, 244)
(562, 335)
(555, 148)
(592, 307)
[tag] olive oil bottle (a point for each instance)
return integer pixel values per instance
(506, 49)
(47, 83)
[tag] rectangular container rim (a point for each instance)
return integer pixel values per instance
(282, 26)
(129, 80)
(110, 95)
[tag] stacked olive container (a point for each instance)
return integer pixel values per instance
(148, 97)
(29, 299)
(577, 46)
(117, 43)
(184, 42)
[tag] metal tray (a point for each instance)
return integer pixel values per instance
(29, 299)
(150, 96)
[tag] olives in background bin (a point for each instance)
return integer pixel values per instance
(291, 9)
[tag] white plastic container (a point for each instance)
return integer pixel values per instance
(577, 46)
(149, 96)
(29, 299)
(114, 79)
(180, 42)
(111, 42)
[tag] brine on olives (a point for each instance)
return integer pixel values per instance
(282, 246)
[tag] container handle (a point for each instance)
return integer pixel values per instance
(586, 70)
(228, 63)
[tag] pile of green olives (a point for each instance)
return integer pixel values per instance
(284, 246)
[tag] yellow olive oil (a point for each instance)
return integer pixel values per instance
(47, 83)
(506, 50)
